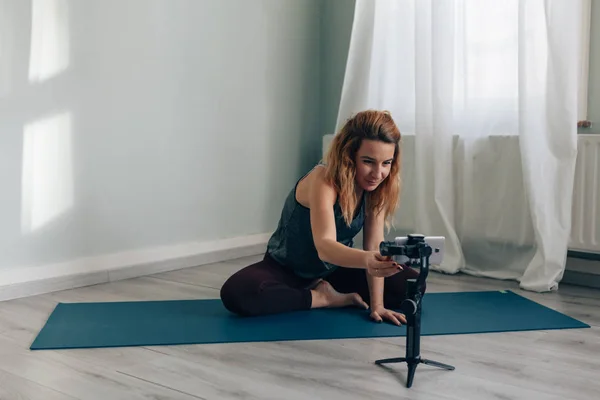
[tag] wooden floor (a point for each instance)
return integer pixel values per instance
(562, 364)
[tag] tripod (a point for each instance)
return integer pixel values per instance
(416, 248)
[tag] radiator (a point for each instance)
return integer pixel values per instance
(585, 231)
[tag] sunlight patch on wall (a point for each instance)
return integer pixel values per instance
(47, 181)
(49, 50)
(6, 46)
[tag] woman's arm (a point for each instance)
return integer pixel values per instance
(322, 197)
(372, 237)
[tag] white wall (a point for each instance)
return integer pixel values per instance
(133, 124)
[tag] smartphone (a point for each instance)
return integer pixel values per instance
(435, 242)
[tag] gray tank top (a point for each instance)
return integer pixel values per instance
(292, 242)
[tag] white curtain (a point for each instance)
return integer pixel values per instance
(486, 94)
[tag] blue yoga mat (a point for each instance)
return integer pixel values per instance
(152, 323)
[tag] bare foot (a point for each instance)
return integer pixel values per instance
(324, 295)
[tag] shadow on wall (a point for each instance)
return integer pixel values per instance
(46, 156)
(295, 150)
(47, 152)
(37, 145)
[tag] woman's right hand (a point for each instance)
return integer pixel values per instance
(381, 266)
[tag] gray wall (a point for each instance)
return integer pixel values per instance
(336, 28)
(141, 123)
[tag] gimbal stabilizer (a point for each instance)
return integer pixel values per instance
(416, 248)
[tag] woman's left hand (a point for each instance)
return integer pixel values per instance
(380, 313)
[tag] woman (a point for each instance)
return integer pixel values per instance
(310, 261)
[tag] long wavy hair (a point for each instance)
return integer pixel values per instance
(340, 164)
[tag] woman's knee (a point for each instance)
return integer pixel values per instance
(241, 295)
(231, 295)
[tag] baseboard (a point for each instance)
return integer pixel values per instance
(582, 269)
(30, 281)
(584, 255)
(581, 279)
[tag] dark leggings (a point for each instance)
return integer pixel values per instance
(266, 287)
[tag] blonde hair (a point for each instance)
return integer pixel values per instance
(341, 168)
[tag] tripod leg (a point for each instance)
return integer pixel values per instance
(437, 364)
(390, 360)
(412, 367)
